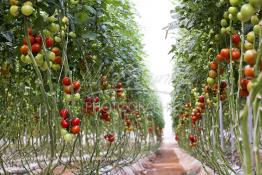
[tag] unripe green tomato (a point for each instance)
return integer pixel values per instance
(62, 33)
(210, 81)
(65, 20)
(54, 27)
(57, 39)
(14, 10)
(47, 33)
(56, 67)
(77, 96)
(74, 2)
(248, 45)
(254, 19)
(52, 19)
(251, 37)
(223, 30)
(233, 10)
(247, 10)
(63, 131)
(224, 23)
(44, 66)
(72, 34)
(226, 14)
(67, 97)
(27, 10)
(28, 3)
(257, 29)
(68, 137)
(28, 59)
(39, 59)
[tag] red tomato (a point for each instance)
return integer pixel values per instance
(213, 65)
(49, 42)
(76, 85)
(97, 108)
(194, 118)
(236, 54)
(67, 89)
(31, 38)
(97, 99)
(56, 50)
(66, 81)
(225, 53)
(223, 84)
(243, 83)
(64, 113)
(64, 123)
(75, 121)
(201, 99)
(89, 99)
(36, 48)
(219, 57)
(24, 49)
(58, 60)
(236, 38)
(192, 138)
(38, 39)
(75, 129)
(249, 71)
(250, 57)
(243, 93)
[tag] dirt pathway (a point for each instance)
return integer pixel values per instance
(164, 162)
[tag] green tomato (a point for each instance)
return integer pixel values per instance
(223, 30)
(27, 10)
(56, 67)
(67, 97)
(28, 59)
(251, 37)
(63, 131)
(257, 29)
(68, 137)
(77, 96)
(65, 20)
(72, 34)
(44, 66)
(52, 19)
(254, 19)
(247, 10)
(57, 39)
(51, 56)
(210, 81)
(14, 10)
(233, 10)
(241, 17)
(226, 14)
(39, 58)
(224, 23)
(54, 27)
(47, 33)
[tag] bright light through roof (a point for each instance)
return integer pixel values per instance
(152, 17)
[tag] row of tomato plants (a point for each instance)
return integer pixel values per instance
(219, 122)
(75, 92)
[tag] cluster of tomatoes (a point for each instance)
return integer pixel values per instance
(197, 112)
(119, 90)
(91, 105)
(71, 125)
(104, 114)
(26, 9)
(71, 88)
